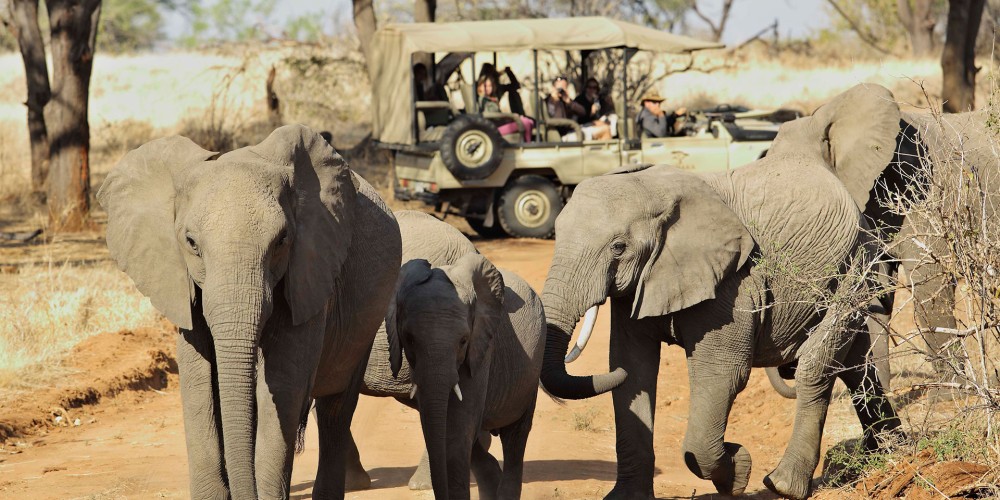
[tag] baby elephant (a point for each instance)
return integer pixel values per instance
(473, 336)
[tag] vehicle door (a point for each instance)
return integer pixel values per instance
(707, 151)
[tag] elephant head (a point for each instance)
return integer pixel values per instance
(231, 237)
(659, 237)
(443, 320)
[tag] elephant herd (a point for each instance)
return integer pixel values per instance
(295, 287)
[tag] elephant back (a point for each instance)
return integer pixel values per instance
(429, 238)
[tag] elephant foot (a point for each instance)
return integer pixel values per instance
(357, 479)
(742, 465)
(629, 492)
(421, 479)
(784, 481)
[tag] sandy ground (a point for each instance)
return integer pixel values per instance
(132, 445)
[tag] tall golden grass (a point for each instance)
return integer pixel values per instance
(47, 309)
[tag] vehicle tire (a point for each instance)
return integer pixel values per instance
(471, 148)
(528, 207)
(494, 231)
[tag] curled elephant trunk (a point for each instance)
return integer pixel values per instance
(562, 317)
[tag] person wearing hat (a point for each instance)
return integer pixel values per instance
(652, 121)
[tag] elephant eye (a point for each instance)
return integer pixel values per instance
(191, 244)
(282, 238)
(618, 248)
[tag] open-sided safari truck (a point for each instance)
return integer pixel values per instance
(450, 155)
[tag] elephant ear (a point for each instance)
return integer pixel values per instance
(325, 197)
(138, 195)
(489, 288)
(411, 274)
(854, 134)
(697, 242)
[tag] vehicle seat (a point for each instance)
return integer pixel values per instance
(550, 126)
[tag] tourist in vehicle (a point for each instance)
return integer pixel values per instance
(426, 89)
(558, 104)
(486, 89)
(599, 120)
(653, 121)
(510, 89)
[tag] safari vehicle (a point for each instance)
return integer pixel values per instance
(450, 155)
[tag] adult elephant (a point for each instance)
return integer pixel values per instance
(277, 263)
(691, 260)
(439, 243)
(922, 139)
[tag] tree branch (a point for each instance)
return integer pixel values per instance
(865, 37)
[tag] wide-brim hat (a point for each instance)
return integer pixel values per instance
(652, 95)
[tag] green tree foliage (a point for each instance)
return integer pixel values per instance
(130, 25)
(228, 20)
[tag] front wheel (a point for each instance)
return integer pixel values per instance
(528, 207)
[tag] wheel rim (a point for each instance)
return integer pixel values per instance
(474, 148)
(532, 208)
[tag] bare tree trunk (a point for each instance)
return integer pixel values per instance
(74, 33)
(918, 20)
(273, 102)
(364, 21)
(23, 23)
(424, 10)
(958, 61)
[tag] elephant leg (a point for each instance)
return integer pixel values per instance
(202, 430)
(826, 347)
(635, 347)
(514, 439)
(421, 478)
(717, 376)
(284, 382)
(333, 415)
(719, 358)
(485, 468)
(357, 478)
(934, 307)
(870, 402)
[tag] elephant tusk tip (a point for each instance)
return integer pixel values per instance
(458, 393)
(574, 354)
(413, 391)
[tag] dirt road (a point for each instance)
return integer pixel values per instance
(132, 446)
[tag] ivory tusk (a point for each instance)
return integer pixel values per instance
(588, 328)
(413, 392)
(458, 392)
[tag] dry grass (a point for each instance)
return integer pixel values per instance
(46, 310)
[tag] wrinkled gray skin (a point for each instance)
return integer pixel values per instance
(934, 295)
(424, 237)
(277, 263)
(481, 329)
(678, 256)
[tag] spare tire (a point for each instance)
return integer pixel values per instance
(471, 147)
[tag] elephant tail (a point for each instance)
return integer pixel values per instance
(300, 434)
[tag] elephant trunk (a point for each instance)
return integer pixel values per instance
(561, 315)
(433, 399)
(236, 327)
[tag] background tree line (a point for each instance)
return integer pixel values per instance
(72, 31)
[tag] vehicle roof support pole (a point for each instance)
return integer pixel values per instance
(538, 101)
(413, 103)
(475, 91)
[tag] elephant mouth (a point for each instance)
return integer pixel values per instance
(589, 320)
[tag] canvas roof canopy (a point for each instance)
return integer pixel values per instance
(390, 56)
